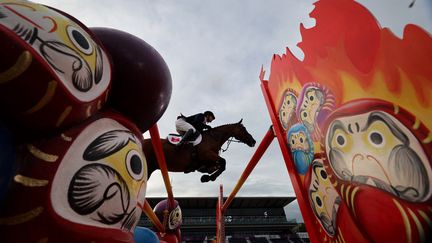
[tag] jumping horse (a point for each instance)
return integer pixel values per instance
(203, 157)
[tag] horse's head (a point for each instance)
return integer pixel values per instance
(240, 133)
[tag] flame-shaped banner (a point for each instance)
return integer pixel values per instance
(354, 122)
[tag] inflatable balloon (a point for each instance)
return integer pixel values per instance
(144, 235)
(86, 184)
(171, 219)
(167, 238)
(7, 157)
(53, 71)
(141, 82)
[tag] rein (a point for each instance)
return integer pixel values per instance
(228, 144)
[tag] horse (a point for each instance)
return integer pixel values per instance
(203, 157)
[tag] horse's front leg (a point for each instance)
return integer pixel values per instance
(221, 166)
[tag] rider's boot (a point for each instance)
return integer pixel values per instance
(186, 137)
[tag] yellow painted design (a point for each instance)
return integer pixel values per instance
(342, 190)
(396, 109)
(41, 155)
(405, 220)
(428, 139)
(43, 240)
(426, 218)
(63, 116)
(88, 111)
(418, 224)
(416, 124)
(22, 218)
(49, 94)
(66, 138)
(21, 65)
(347, 192)
(30, 182)
(353, 196)
(352, 90)
(106, 95)
(341, 235)
(99, 105)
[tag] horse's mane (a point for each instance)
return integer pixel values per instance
(219, 127)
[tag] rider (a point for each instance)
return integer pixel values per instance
(192, 126)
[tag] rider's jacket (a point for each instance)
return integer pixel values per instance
(197, 121)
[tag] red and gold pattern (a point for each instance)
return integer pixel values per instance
(87, 184)
(53, 71)
(377, 142)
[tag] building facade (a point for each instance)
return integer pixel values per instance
(248, 219)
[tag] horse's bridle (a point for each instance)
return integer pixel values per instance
(231, 139)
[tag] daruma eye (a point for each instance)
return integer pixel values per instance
(318, 201)
(134, 165)
(79, 40)
(311, 98)
(340, 140)
(323, 174)
(376, 138)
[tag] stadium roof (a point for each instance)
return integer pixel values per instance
(238, 202)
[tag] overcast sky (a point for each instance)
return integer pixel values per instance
(214, 50)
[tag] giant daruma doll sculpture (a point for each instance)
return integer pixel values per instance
(54, 73)
(359, 139)
(80, 172)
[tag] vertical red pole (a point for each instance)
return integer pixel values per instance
(295, 180)
(157, 146)
(265, 143)
(220, 223)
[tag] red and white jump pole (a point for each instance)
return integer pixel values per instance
(222, 206)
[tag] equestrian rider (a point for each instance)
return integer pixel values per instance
(191, 126)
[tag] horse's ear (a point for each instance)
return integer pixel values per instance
(240, 121)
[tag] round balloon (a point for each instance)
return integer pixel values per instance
(144, 235)
(141, 82)
(172, 216)
(53, 71)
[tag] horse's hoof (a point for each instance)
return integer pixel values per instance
(205, 178)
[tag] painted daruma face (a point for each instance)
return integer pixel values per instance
(323, 197)
(102, 178)
(287, 109)
(68, 50)
(376, 149)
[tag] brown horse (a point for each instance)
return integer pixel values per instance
(203, 157)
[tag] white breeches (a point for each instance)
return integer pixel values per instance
(182, 126)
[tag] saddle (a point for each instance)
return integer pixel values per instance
(176, 138)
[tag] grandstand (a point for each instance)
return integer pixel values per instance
(247, 220)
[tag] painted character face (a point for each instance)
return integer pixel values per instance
(323, 197)
(298, 141)
(313, 99)
(301, 147)
(70, 52)
(102, 178)
(175, 218)
(375, 148)
(287, 109)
